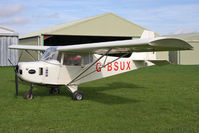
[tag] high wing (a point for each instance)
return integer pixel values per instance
(138, 45)
(29, 47)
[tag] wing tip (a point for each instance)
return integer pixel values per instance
(173, 43)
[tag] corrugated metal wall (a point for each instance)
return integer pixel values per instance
(5, 53)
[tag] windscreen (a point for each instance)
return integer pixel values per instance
(51, 54)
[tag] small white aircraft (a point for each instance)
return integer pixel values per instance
(73, 65)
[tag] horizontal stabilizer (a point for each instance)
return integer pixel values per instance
(139, 61)
(156, 62)
(159, 62)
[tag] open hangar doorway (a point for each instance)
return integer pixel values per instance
(64, 40)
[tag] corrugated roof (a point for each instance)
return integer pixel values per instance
(49, 30)
(7, 32)
(6, 29)
(191, 38)
(107, 24)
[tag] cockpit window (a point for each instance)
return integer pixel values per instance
(77, 60)
(72, 60)
(51, 54)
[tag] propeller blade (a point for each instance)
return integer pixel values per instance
(16, 67)
(10, 62)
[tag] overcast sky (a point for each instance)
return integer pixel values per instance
(161, 16)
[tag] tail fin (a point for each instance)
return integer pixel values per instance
(145, 55)
(147, 34)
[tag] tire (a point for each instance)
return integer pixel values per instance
(54, 91)
(28, 95)
(78, 95)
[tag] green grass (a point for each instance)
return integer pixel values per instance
(150, 100)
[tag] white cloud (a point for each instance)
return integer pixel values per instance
(185, 31)
(15, 21)
(163, 17)
(10, 10)
(167, 19)
(53, 15)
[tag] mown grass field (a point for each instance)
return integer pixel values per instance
(150, 100)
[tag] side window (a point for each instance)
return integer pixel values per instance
(59, 57)
(86, 59)
(72, 60)
(77, 60)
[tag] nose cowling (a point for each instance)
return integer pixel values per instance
(29, 71)
(40, 72)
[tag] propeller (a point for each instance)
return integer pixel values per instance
(16, 68)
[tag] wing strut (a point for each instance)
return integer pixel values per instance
(30, 55)
(88, 67)
(77, 78)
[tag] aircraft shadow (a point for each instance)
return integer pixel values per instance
(99, 94)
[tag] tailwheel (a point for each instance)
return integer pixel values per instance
(78, 95)
(28, 95)
(54, 91)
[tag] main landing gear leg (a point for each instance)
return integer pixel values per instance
(29, 94)
(77, 95)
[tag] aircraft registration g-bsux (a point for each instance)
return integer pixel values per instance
(73, 65)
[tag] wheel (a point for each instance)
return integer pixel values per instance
(28, 95)
(54, 91)
(78, 95)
